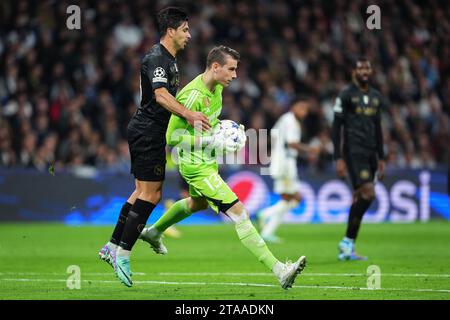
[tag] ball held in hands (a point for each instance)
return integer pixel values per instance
(229, 136)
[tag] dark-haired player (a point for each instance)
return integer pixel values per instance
(146, 137)
(358, 148)
(199, 167)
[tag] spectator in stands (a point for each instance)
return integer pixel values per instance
(67, 96)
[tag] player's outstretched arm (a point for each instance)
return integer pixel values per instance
(166, 100)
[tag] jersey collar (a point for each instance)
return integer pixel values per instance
(204, 88)
(166, 52)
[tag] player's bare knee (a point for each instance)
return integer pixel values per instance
(138, 188)
(153, 197)
(156, 197)
(367, 192)
(137, 192)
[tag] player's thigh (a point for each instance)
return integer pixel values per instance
(287, 182)
(148, 156)
(360, 169)
(287, 186)
(151, 191)
(211, 186)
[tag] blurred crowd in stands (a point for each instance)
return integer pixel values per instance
(66, 96)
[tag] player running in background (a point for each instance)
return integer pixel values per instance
(146, 137)
(200, 169)
(286, 145)
(358, 111)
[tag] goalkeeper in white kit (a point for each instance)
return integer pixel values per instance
(286, 145)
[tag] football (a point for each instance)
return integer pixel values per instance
(230, 130)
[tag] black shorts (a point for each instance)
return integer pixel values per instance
(361, 168)
(148, 155)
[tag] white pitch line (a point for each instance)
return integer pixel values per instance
(236, 284)
(308, 274)
(238, 274)
(62, 273)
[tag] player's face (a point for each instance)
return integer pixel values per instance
(226, 73)
(300, 109)
(363, 71)
(181, 36)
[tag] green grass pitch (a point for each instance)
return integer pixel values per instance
(209, 262)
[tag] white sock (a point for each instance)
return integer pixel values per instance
(112, 245)
(123, 253)
(281, 205)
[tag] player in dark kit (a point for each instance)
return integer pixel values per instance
(146, 137)
(358, 111)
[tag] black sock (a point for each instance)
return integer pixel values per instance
(137, 218)
(355, 216)
(118, 230)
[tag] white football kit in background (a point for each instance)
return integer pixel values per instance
(283, 165)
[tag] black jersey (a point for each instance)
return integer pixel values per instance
(158, 69)
(359, 112)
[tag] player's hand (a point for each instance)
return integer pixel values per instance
(214, 141)
(197, 120)
(341, 168)
(380, 173)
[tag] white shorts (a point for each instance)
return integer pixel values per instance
(286, 185)
(285, 176)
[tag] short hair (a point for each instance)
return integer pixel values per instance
(300, 98)
(360, 59)
(170, 17)
(219, 54)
